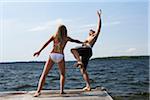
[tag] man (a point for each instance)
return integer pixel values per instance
(83, 53)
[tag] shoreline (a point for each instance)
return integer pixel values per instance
(110, 57)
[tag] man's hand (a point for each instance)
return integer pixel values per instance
(99, 12)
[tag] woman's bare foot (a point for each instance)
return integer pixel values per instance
(86, 89)
(37, 94)
(79, 64)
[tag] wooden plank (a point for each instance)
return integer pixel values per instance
(71, 94)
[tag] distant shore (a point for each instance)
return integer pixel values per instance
(111, 57)
(122, 57)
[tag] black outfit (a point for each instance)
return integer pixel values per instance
(85, 52)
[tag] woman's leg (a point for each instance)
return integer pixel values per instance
(62, 75)
(48, 65)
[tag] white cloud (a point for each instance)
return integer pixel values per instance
(94, 26)
(38, 28)
(130, 50)
(88, 26)
(112, 23)
(47, 25)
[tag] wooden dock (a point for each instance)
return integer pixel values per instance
(72, 94)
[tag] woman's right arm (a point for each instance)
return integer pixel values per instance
(38, 52)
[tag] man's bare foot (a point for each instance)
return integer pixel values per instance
(37, 94)
(79, 64)
(62, 92)
(86, 89)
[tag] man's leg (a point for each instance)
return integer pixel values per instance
(77, 56)
(85, 74)
(86, 78)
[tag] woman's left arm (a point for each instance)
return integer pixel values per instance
(74, 40)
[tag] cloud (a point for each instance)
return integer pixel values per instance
(38, 28)
(130, 50)
(94, 26)
(47, 25)
(112, 23)
(127, 51)
(72, 23)
(88, 26)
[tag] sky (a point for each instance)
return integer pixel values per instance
(27, 25)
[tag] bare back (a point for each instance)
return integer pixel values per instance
(58, 46)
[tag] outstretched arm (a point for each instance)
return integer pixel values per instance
(38, 52)
(99, 24)
(74, 40)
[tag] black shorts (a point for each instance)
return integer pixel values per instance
(85, 53)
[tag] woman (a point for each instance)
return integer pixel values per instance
(59, 39)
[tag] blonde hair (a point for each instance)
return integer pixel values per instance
(61, 33)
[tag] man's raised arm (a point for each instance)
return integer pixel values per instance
(99, 23)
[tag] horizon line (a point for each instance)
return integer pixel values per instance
(75, 60)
